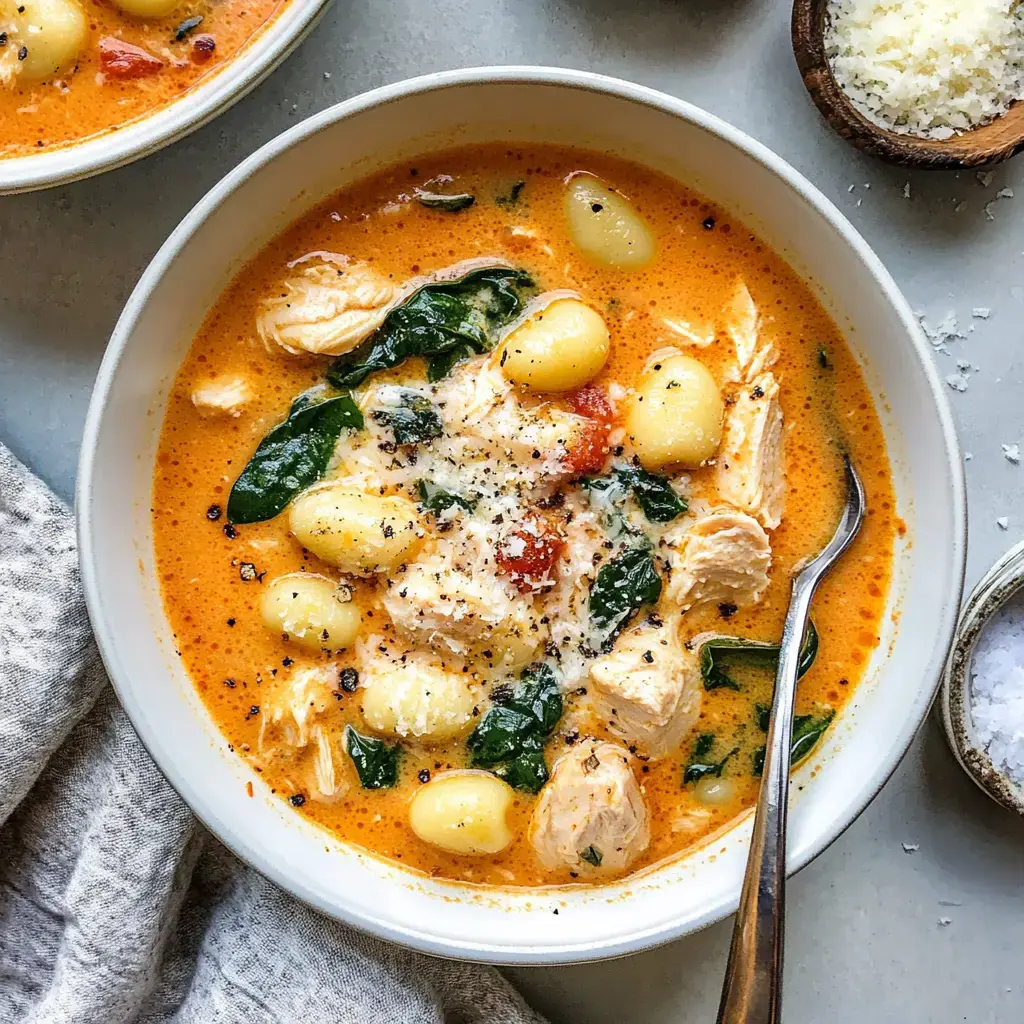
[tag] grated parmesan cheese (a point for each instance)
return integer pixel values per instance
(929, 68)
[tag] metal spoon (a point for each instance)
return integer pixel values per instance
(752, 992)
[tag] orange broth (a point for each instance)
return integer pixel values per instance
(89, 100)
(701, 249)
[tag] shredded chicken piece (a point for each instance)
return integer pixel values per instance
(294, 723)
(742, 325)
(722, 558)
(648, 688)
(325, 309)
(226, 395)
(750, 473)
(701, 337)
(590, 816)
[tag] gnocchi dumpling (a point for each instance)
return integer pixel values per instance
(357, 532)
(675, 415)
(559, 348)
(604, 225)
(149, 8)
(306, 607)
(416, 695)
(463, 812)
(52, 33)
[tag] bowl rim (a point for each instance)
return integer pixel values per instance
(259, 57)
(641, 937)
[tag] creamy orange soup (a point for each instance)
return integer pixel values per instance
(73, 69)
(497, 635)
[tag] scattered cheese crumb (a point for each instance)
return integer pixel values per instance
(968, 456)
(906, 190)
(1003, 523)
(981, 312)
(957, 381)
(910, 847)
(985, 178)
(1005, 193)
(944, 921)
(928, 68)
(948, 329)
(1012, 453)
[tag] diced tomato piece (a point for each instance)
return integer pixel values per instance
(119, 59)
(203, 47)
(530, 551)
(587, 449)
(592, 402)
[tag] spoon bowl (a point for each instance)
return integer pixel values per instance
(988, 144)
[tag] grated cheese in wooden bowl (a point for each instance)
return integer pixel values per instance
(929, 68)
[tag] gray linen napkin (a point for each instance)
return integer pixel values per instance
(115, 904)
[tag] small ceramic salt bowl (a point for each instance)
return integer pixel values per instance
(964, 688)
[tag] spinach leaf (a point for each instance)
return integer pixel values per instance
(414, 420)
(441, 365)
(756, 652)
(187, 27)
(440, 201)
(807, 730)
(592, 855)
(762, 715)
(623, 585)
(435, 499)
(376, 762)
(509, 741)
(512, 196)
(700, 769)
(527, 771)
(654, 494)
(443, 322)
(292, 456)
(705, 741)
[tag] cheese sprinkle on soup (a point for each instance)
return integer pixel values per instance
(464, 480)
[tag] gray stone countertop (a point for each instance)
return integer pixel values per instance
(875, 933)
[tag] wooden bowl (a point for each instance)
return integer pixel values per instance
(995, 141)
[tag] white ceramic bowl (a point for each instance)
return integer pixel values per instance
(192, 110)
(284, 179)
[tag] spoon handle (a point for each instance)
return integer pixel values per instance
(752, 993)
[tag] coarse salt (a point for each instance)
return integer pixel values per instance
(929, 68)
(997, 689)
